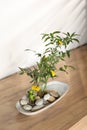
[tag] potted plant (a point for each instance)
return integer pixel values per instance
(45, 68)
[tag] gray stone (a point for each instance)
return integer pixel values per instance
(35, 108)
(27, 107)
(39, 102)
(45, 102)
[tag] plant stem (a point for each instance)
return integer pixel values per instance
(45, 85)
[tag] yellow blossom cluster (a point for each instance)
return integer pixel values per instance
(53, 73)
(36, 88)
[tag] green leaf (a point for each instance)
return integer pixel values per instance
(30, 50)
(46, 39)
(49, 44)
(21, 68)
(68, 34)
(51, 35)
(39, 54)
(72, 67)
(65, 66)
(68, 53)
(21, 72)
(63, 54)
(73, 34)
(44, 35)
(56, 32)
(76, 40)
(65, 33)
(62, 69)
(61, 58)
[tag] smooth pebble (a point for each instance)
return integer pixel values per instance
(51, 99)
(54, 94)
(46, 97)
(27, 107)
(39, 102)
(35, 108)
(23, 102)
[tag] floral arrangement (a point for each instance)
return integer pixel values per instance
(45, 68)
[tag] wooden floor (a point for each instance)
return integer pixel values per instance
(62, 115)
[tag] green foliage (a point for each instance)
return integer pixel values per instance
(53, 54)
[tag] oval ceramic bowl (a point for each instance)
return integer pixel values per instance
(60, 87)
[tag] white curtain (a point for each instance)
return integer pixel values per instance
(22, 22)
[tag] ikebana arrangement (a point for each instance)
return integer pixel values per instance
(39, 96)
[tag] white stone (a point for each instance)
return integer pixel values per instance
(46, 97)
(23, 102)
(27, 107)
(39, 102)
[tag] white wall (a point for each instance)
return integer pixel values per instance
(22, 22)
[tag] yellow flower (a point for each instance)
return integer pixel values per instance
(60, 42)
(53, 73)
(36, 88)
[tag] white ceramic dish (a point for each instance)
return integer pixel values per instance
(60, 87)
